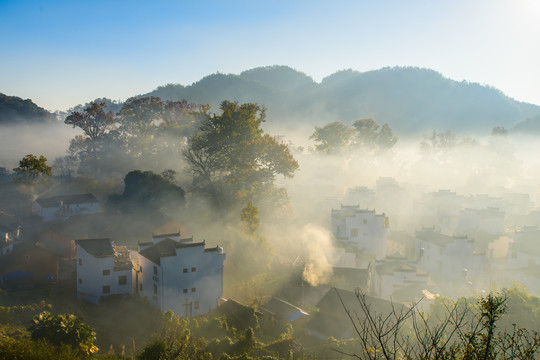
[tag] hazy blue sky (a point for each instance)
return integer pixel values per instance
(61, 53)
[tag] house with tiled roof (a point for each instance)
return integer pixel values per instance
(47, 261)
(283, 311)
(180, 274)
(394, 274)
(447, 257)
(10, 231)
(63, 207)
(332, 320)
(361, 229)
(103, 269)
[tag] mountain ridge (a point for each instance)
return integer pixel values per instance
(410, 99)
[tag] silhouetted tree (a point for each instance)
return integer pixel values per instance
(93, 121)
(465, 332)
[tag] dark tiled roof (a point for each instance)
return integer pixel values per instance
(165, 235)
(331, 303)
(66, 199)
(171, 228)
(389, 267)
(282, 309)
(54, 242)
(329, 325)
(8, 222)
(164, 248)
(350, 211)
(350, 278)
(436, 237)
(97, 247)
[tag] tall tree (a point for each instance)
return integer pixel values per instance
(332, 138)
(183, 116)
(140, 115)
(139, 118)
(370, 136)
(231, 155)
(96, 123)
(93, 121)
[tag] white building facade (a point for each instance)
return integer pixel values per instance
(180, 275)
(102, 270)
(63, 207)
(448, 257)
(10, 231)
(363, 229)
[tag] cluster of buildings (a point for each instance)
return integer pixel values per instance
(437, 243)
(172, 271)
(395, 247)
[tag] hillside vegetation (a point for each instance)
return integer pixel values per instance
(408, 99)
(14, 109)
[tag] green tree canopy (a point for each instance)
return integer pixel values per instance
(369, 135)
(231, 156)
(31, 167)
(332, 138)
(364, 134)
(139, 115)
(64, 329)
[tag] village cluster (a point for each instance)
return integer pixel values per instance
(413, 248)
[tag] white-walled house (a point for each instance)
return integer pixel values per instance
(10, 231)
(489, 220)
(394, 274)
(62, 207)
(447, 257)
(181, 275)
(362, 229)
(103, 269)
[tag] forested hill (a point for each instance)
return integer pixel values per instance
(14, 109)
(410, 100)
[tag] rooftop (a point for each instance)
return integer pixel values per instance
(435, 237)
(283, 309)
(165, 248)
(97, 247)
(66, 199)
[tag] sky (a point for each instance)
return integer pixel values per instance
(63, 53)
